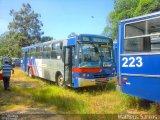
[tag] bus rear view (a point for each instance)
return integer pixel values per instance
(139, 56)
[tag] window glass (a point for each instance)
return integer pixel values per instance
(47, 47)
(38, 53)
(32, 51)
(142, 36)
(138, 28)
(56, 52)
(38, 49)
(92, 55)
(155, 43)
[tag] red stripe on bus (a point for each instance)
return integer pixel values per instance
(32, 72)
(86, 70)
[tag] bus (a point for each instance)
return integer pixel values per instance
(78, 61)
(138, 56)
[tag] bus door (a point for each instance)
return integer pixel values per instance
(68, 63)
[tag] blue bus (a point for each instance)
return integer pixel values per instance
(78, 61)
(138, 56)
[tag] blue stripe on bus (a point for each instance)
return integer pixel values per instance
(71, 41)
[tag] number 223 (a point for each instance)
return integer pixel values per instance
(132, 62)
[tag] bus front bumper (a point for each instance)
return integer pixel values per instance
(82, 82)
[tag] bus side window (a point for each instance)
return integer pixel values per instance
(147, 44)
(53, 52)
(46, 51)
(32, 52)
(143, 36)
(38, 52)
(56, 52)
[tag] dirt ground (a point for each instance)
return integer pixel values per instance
(17, 103)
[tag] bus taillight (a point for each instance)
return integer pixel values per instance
(123, 83)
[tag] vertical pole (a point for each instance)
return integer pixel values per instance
(146, 27)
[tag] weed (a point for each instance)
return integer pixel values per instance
(28, 92)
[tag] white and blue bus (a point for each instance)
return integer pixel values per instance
(138, 56)
(81, 60)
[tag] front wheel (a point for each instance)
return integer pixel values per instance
(60, 81)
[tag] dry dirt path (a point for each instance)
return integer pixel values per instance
(18, 101)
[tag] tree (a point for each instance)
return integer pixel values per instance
(26, 25)
(124, 9)
(46, 38)
(25, 29)
(9, 46)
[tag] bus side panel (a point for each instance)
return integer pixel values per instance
(22, 64)
(115, 56)
(50, 67)
(140, 64)
(38, 67)
(119, 51)
(143, 87)
(140, 76)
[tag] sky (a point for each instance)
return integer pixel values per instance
(61, 17)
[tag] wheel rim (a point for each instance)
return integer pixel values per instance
(60, 80)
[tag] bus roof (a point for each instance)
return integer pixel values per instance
(143, 16)
(94, 35)
(43, 43)
(62, 40)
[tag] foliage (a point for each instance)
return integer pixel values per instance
(26, 25)
(25, 29)
(9, 45)
(46, 38)
(36, 94)
(126, 9)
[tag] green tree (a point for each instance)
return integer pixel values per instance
(26, 25)
(124, 9)
(46, 38)
(9, 45)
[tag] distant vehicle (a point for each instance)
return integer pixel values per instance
(6, 59)
(81, 60)
(15, 62)
(138, 56)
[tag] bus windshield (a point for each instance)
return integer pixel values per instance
(94, 55)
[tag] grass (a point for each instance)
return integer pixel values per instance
(66, 101)
(34, 93)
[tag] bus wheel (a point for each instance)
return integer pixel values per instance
(60, 80)
(29, 73)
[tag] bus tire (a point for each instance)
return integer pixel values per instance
(60, 80)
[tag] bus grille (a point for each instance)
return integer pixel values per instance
(100, 76)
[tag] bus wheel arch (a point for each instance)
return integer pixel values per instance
(59, 79)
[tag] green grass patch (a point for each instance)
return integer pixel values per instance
(66, 101)
(29, 92)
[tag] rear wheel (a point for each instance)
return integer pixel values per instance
(60, 80)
